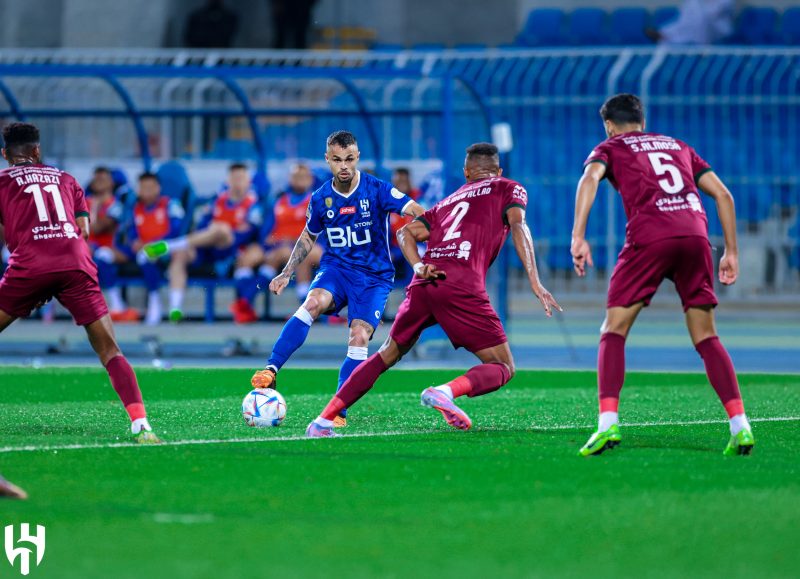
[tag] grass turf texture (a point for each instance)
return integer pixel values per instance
(509, 498)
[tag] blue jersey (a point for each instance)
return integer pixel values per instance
(355, 228)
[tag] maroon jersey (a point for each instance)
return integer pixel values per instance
(656, 176)
(468, 228)
(38, 207)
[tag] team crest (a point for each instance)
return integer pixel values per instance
(328, 202)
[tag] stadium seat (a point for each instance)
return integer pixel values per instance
(387, 47)
(790, 27)
(175, 184)
(428, 47)
(664, 15)
(627, 26)
(757, 25)
(543, 27)
(588, 27)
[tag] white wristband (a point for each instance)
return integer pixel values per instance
(418, 268)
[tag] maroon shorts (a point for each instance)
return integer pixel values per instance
(686, 261)
(469, 320)
(77, 291)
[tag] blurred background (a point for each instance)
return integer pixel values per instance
(190, 89)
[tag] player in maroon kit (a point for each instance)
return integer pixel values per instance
(46, 220)
(464, 233)
(666, 236)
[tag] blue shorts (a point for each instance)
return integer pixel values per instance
(364, 295)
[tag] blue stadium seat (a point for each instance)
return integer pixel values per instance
(790, 26)
(387, 47)
(175, 184)
(470, 47)
(627, 26)
(757, 25)
(428, 47)
(588, 27)
(543, 27)
(664, 15)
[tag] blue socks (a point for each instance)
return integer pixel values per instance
(292, 336)
(355, 355)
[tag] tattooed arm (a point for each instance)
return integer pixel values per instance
(301, 250)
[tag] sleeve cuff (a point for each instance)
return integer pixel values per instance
(509, 206)
(403, 210)
(424, 221)
(700, 174)
(81, 214)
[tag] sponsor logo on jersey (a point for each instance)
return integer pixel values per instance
(364, 204)
(349, 210)
(347, 237)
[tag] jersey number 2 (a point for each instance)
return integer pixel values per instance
(458, 213)
(36, 190)
(661, 165)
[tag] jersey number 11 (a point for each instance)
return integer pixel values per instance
(36, 190)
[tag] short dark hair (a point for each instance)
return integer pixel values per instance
(487, 150)
(102, 169)
(403, 171)
(148, 175)
(342, 138)
(237, 166)
(20, 135)
(623, 109)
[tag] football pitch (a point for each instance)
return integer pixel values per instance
(401, 495)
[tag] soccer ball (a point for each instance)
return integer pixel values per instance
(263, 407)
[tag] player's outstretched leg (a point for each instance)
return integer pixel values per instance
(292, 336)
(123, 378)
(722, 376)
(359, 383)
(495, 371)
(9, 490)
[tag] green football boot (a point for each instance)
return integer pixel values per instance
(741, 443)
(155, 250)
(602, 441)
(146, 437)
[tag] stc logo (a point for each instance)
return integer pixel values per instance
(338, 237)
(24, 553)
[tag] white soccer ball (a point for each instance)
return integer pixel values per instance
(263, 407)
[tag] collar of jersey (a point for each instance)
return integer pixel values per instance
(358, 184)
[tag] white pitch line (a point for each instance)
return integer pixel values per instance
(196, 442)
(679, 423)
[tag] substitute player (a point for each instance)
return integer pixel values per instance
(666, 236)
(356, 270)
(46, 220)
(465, 232)
(229, 227)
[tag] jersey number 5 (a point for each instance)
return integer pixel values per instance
(36, 190)
(661, 165)
(458, 213)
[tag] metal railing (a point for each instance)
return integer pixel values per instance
(738, 107)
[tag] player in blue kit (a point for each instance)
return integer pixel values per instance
(351, 212)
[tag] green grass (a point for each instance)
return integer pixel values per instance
(509, 498)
